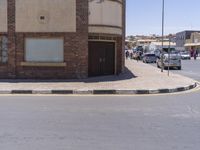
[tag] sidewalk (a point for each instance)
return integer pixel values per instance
(139, 78)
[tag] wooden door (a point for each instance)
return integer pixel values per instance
(101, 58)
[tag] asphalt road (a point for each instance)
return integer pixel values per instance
(156, 122)
(100, 123)
(190, 68)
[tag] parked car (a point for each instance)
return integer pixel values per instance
(149, 58)
(174, 61)
(185, 55)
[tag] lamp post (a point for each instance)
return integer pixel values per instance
(163, 19)
(169, 50)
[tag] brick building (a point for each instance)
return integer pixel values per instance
(61, 39)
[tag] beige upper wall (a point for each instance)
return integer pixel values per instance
(60, 15)
(3, 15)
(105, 13)
(106, 30)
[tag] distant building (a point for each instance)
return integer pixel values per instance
(193, 42)
(158, 46)
(145, 42)
(181, 38)
(129, 44)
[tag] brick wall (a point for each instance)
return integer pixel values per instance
(11, 38)
(123, 35)
(75, 49)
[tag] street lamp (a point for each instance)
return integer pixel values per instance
(169, 50)
(163, 19)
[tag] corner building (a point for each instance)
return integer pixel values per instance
(61, 39)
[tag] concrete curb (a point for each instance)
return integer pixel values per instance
(101, 92)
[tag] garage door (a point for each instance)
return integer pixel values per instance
(101, 58)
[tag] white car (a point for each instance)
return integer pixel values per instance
(174, 61)
(185, 55)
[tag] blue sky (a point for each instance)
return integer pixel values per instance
(144, 16)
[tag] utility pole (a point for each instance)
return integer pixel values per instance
(169, 52)
(163, 20)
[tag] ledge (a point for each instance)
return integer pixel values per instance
(105, 29)
(42, 64)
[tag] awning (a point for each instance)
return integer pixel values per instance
(191, 44)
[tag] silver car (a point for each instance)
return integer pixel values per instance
(171, 61)
(149, 58)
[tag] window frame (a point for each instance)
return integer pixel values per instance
(43, 38)
(1, 50)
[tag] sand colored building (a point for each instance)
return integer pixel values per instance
(61, 39)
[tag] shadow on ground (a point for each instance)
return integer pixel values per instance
(126, 75)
